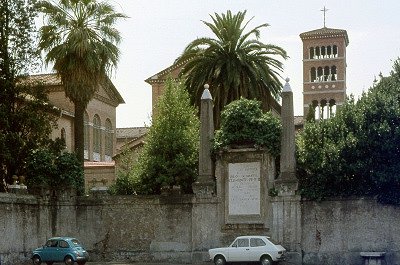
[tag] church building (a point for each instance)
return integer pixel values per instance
(100, 127)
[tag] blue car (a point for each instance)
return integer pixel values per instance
(60, 249)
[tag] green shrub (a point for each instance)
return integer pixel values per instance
(244, 123)
(357, 151)
(57, 171)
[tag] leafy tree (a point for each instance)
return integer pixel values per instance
(235, 64)
(26, 118)
(80, 40)
(170, 154)
(51, 168)
(356, 152)
(244, 123)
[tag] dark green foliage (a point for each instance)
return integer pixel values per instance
(356, 152)
(244, 123)
(235, 63)
(125, 184)
(26, 118)
(170, 155)
(55, 170)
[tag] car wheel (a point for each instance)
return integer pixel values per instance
(36, 260)
(219, 260)
(68, 260)
(266, 260)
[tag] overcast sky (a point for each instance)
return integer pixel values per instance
(158, 30)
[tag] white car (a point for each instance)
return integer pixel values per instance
(248, 249)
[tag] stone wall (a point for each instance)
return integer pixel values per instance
(182, 228)
(153, 228)
(336, 231)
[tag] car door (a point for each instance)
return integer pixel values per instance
(50, 250)
(257, 249)
(239, 250)
(64, 250)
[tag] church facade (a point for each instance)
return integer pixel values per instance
(100, 126)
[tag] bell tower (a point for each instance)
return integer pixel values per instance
(324, 70)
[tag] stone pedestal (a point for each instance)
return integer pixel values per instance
(204, 189)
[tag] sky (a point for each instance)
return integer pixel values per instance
(157, 31)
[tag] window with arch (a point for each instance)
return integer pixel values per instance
(323, 52)
(315, 106)
(332, 108)
(96, 138)
(86, 137)
(108, 140)
(323, 74)
(313, 74)
(324, 109)
(63, 135)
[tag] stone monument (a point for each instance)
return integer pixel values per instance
(205, 185)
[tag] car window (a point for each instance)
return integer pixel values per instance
(243, 242)
(256, 242)
(51, 243)
(234, 245)
(76, 242)
(64, 244)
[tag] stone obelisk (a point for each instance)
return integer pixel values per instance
(205, 184)
(287, 179)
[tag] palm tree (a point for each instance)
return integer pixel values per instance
(80, 41)
(233, 64)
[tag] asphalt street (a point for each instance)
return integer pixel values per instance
(142, 263)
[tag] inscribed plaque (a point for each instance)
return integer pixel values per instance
(244, 188)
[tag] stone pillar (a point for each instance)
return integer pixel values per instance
(205, 185)
(286, 210)
(288, 160)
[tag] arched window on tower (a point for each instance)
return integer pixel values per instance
(329, 51)
(86, 138)
(334, 73)
(335, 51)
(324, 109)
(96, 138)
(313, 74)
(323, 52)
(315, 106)
(332, 108)
(317, 52)
(311, 53)
(326, 73)
(108, 141)
(320, 74)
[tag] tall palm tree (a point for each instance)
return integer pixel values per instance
(80, 40)
(235, 64)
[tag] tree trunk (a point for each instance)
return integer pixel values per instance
(79, 131)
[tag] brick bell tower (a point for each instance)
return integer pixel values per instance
(324, 70)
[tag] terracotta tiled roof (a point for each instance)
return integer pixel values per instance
(53, 79)
(47, 79)
(133, 132)
(325, 32)
(160, 76)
